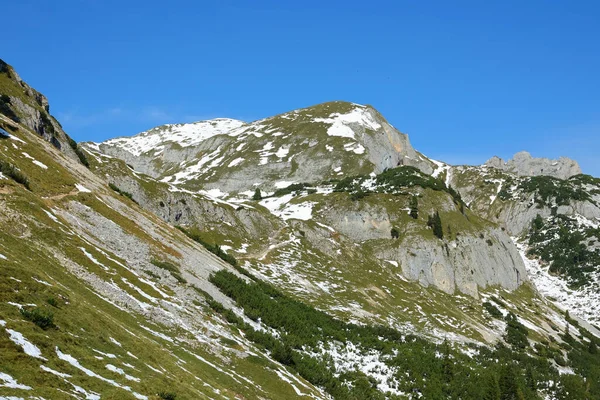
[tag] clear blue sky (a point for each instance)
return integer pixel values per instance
(465, 79)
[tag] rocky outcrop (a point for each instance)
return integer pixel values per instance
(523, 164)
(33, 111)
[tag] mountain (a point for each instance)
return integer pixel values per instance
(311, 254)
(523, 164)
(316, 143)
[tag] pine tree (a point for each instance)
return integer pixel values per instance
(435, 222)
(414, 207)
(257, 195)
(491, 387)
(593, 348)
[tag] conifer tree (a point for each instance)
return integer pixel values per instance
(257, 195)
(414, 207)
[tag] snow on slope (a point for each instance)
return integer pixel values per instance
(584, 302)
(186, 135)
(340, 123)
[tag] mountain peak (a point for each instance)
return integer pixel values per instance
(524, 164)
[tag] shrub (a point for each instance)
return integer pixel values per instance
(257, 195)
(293, 188)
(213, 248)
(122, 192)
(172, 269)
(395, 233)
(167, 395)
(43, 319)
(492, 309)
(12, 172)
(6, 109)
(52, 301)
(435, 222)
(414, 207)
(80, 154)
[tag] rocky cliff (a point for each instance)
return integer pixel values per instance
(523, 164)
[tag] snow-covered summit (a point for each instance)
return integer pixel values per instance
(185, 135)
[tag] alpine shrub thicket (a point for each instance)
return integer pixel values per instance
(435, 371)
(14, 173)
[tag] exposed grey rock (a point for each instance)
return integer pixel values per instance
(523, 164)
(368, 144)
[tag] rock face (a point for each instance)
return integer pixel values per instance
(312, 144)
(31, 108)
(523, 164)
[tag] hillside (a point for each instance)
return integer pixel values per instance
(311, 254)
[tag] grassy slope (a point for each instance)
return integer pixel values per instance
(36, 246)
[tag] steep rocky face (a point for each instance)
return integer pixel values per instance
(20, 103)
(555, 223)
(312, 144)
(523, 164)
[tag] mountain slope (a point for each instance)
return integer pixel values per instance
(316, 143)
(103, 298)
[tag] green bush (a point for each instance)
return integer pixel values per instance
(414, 207)
(172, 269)
(167, 395)
(122, 192)
(80, 154)
(492, 309)
(43, 319)
(293, 188)
(435, 223)
(12, 172)
(5, 108)
(213, 248)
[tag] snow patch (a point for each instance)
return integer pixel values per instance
(11, 383)
(340, 123)
(82, 188)
(235, 162)
(28, 348)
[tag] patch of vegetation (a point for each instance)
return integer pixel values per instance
(414, 207)
(52, 301)
(195, 235)
(561, 243)
(6, 109)
(293, 188)
(122, 192)
(47, 124)
(15, 174)
(257, 195)
(435, 223)
(551, 191)
(492, 309)
(171, 268)
(167, 395)
(80, 154)
(42, 318)
(424, 368)
(516, 333)
(395, 233)
(394, 181)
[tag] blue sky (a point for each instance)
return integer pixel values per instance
(465, 79)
